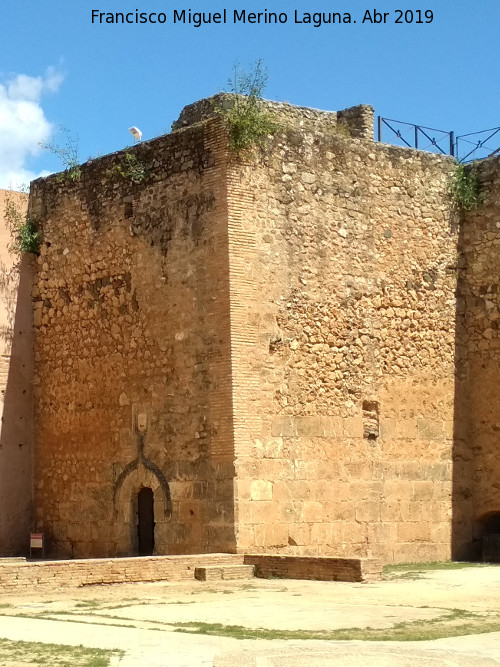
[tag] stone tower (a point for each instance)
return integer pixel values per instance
(264, 353)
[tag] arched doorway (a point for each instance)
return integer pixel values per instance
(145, 522)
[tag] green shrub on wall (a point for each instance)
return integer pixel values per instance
(465, 187)
(24, 231)
(131, 168)
(68, 155)
(28, 237)
(247, 121)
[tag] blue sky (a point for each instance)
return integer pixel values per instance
(56, 68)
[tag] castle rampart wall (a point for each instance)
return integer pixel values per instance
(357, 121)
(133, 382)
(343, 265)
(477, 451)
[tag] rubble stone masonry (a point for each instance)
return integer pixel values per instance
(476, 461)
(343, 267)
(133, 381)
(269, 343)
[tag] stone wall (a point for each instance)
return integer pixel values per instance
(18, 575)
(477, 451)
(16, 370)
(133, 383)
(21, 576)
(319, 569)
(271, 344)
(343, 265)
(358, 120)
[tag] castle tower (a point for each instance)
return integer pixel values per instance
(250, 353)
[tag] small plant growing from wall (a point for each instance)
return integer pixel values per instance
(247, 121)
(68, 155)
(465, 187)
(24, 231)
(131, 168)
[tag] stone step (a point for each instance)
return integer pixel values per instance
(223, 572)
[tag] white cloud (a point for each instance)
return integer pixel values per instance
(23, 125)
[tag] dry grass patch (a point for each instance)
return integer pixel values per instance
(418, 570)
(21, 654)
(453, 623)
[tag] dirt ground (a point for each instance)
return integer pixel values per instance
(153, 623)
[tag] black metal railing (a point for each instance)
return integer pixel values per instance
(418, 136)
(465, 147)
(478, 145)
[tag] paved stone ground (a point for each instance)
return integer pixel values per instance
(95, 617)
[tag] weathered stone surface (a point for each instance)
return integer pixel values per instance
(476, 487)
(132, 346)
(358, 121)
(287, 373)
(340, 349)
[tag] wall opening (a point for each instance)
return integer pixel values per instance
(146, 522)
(490, 542)
(371, 429)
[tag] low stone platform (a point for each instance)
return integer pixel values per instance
(316, 568)
(15, 576)
(20, 574)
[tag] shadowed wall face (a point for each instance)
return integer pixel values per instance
(477, 459)
(16, 370)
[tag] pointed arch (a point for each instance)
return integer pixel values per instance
(135, 476)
